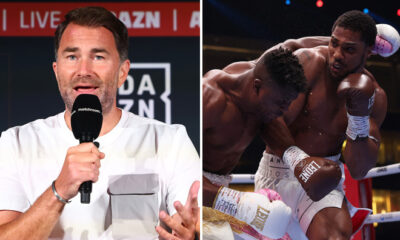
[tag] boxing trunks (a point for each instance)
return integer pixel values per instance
(274, 174)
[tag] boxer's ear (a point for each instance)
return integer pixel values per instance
(257, 85)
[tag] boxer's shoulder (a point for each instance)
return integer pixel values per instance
(313, 61)
(218, 79)
(371, 77)
(239, 67)
(315, 55)
(212, 75)
(212, 81)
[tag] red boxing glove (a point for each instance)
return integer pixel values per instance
(318, 176)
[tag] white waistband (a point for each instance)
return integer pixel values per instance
(272, 166)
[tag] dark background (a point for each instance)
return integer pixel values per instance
(28, 88)
(276, 21)
(242, 30)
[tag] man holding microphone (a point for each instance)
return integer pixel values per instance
(142, 171)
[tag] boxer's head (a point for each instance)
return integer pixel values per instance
(278, 78)
(353, 37)
(91, 47)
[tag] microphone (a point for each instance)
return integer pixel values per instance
(86, 121)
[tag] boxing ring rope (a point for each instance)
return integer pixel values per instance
(383, 217)
(242, 178)
(374, 172)
(383, 171)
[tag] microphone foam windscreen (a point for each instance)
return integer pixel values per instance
(86, 117)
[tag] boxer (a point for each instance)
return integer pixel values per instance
(386, 35)
(343, 102)
(235, 108)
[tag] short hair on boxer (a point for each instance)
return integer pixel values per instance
(96, 17)
(358, 21)
(285, 69)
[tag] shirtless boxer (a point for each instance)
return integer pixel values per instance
(235, 108)
(343, 101)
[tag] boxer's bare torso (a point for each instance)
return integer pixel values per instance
(236, 104)
(227, 127)
(317, 120)
(234, 112)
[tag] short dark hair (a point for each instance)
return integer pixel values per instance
(285, 69)
(358, 21)
(96, 17)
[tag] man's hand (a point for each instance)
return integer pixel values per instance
(81, 164)
(186, 222)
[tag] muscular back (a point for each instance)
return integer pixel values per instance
(227, 131)
(318, 120)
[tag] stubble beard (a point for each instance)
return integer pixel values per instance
(106, 94)
(354, 70)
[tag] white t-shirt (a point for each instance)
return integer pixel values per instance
(148, 165)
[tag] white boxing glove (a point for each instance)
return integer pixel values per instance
(387, 40)
(270, 219)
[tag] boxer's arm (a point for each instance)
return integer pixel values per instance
(214, 103)
(210, 191)
(36, 223)
(277, 136)
(361, 154)
(291, 44)
(304, 42)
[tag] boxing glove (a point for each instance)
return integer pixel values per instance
(269, 218)
(387, 40)
(359, 92)
(318, 176)
(245, 230)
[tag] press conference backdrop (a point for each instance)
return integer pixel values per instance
(163, 82)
